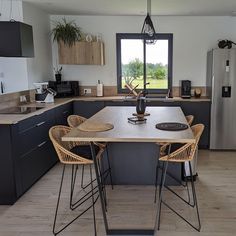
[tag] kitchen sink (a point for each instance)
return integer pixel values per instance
(19, 110)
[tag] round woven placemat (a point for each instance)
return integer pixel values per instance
(90, 126)
(171, 126)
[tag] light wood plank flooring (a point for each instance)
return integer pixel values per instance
(130, 206)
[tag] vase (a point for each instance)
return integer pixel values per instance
(58, 78)
(141, 105)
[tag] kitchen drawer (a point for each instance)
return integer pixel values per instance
(36, 163)
(31, 138)
(31, 122)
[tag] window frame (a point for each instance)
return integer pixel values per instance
(166, 36)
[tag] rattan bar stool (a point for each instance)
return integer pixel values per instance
(183, 154)
(74, 121)
(163, 151)
(67, 157)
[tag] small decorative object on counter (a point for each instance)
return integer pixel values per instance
(141, 105)
(197, 92)
(99, 89)
(58, 74)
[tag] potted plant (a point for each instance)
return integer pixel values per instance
(58, 71)
(66, 32)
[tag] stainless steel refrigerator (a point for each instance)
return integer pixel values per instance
(221, 87)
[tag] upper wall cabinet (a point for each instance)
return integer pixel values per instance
(82, 53)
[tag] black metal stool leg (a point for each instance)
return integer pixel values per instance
(82, 177)
(73, 180)
(58, 201)
(157, 225)
(156, 181)
(195, 198)
(93, 201)
(103, 184)
(109, 167)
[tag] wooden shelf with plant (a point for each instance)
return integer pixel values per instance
(73, 48)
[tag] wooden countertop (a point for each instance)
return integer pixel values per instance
(14, 118)
(123, 131)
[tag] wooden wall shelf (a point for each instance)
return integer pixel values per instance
(82, 53)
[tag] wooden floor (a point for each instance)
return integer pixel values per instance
(130, 206)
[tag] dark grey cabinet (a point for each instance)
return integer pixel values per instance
(27, 152)
(87, 108)
(120, 103)
(62, 112)
(163, 103)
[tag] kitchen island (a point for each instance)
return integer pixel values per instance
(132, 148)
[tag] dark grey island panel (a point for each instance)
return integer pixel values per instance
(135, 164)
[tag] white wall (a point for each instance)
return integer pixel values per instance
(13, 71)
(193, 37)
(40, 67)
(20, 73)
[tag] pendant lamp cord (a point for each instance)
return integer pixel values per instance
(149, 7)
(11, 18)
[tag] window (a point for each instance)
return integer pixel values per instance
(147, 66)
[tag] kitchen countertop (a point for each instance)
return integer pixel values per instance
(14, 118)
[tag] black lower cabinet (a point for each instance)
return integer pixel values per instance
(36, 163)
(27, 152)
(87, 108)
(120, 103)
(62, 112)
(8, 192)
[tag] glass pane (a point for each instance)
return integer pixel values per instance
(132, 62)
(157, 65)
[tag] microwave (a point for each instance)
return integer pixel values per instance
(65, 88)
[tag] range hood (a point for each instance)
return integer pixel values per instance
(16, 39)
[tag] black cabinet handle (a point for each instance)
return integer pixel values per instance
(41, 123)
(41, 144)
(65, 112)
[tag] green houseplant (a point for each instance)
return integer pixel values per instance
(66, 32)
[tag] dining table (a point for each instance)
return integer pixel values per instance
(127, 142)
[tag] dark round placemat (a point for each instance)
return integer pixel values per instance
(171, 126)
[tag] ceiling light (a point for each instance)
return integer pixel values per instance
(148, 27)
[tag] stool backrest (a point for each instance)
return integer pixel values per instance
(187, 151)
(75, 120)
(189, 119)
(63, 148)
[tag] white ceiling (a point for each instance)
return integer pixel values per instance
(138, 7)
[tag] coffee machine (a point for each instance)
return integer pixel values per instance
(43, 93)
(185, 88)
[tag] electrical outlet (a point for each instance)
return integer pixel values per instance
(87, 91)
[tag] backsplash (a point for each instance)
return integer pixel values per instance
(112, 91)
(13, 99)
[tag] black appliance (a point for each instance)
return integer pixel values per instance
(185, 88)
(65, 88)
(16, 39)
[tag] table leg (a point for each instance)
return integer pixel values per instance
(99, 185)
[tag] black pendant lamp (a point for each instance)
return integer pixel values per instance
(148, 27)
